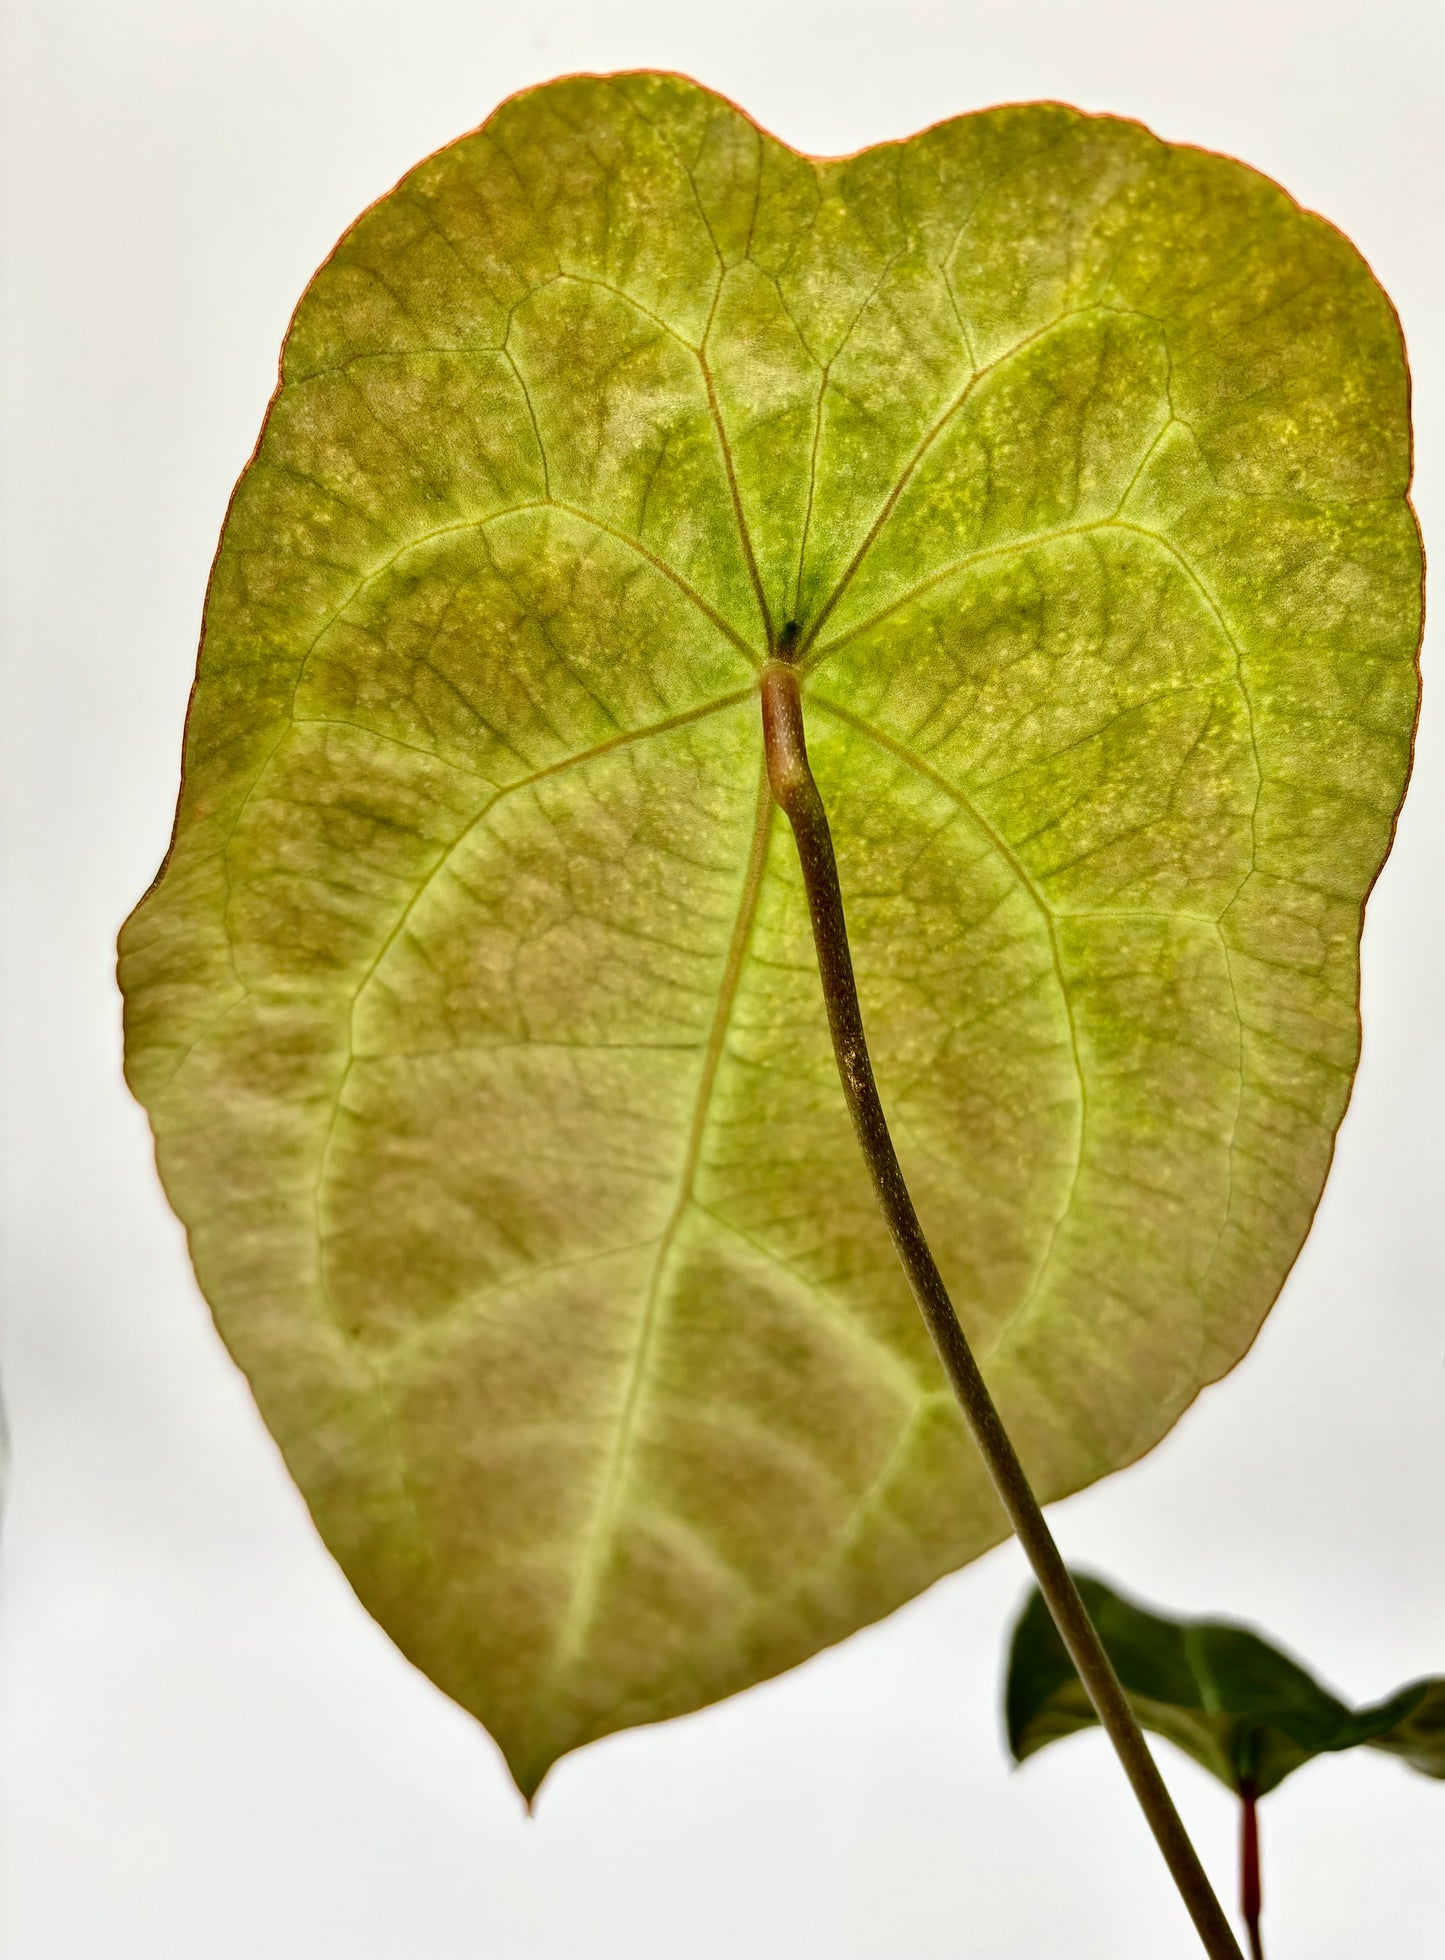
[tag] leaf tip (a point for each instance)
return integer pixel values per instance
(529, 1769)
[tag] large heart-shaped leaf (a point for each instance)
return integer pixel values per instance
(1241, 1708)
(475, 1006)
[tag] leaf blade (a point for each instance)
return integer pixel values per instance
(1242, 1708)
(422, 1001)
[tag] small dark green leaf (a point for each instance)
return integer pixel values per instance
(1245, 1711)
(1419, 1736)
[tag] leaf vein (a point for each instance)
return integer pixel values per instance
(602, 1528)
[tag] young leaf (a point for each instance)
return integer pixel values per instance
(1419, 1735)
(1245, 1711)
(475, 1006)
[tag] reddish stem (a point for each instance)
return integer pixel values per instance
(1249, 1890)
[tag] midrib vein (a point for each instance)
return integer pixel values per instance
(626, 738)
(602, 1530)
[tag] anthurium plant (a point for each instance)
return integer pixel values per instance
(1239, 1706)
(659, 541)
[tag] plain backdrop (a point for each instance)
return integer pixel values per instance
(207, 1750)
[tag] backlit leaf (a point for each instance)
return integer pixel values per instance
(475, 1007)
(1241, 1708)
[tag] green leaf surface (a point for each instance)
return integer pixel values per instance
(475, 1006)
(1241, 1708)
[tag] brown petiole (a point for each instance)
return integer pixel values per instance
(796, 794)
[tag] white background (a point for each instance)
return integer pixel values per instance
(209, 1752)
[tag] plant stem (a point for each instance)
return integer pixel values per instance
(1250, 1898)
(797, 795)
